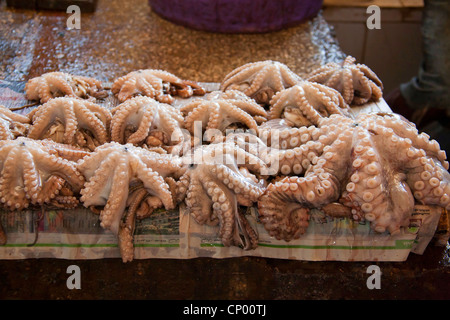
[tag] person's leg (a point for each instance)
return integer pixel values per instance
(430, 88)
(427, 95)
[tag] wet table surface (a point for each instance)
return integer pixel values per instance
(124, 36)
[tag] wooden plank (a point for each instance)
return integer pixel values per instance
(86, 6)
(21, 4)
(380, 3)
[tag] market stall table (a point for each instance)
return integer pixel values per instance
(113, 41)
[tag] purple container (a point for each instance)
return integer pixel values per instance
(237, 16)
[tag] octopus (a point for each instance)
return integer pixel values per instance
(157, 84)
(145, 122)
(220, 181)
(71, 121)
(12, 125)
(125, 182)
(38, 174)
(215, 116)
(295, 159)
(33, 173)
(260, 80)
(305, 103)
(372, 169)
(357, 83)
(60, 84)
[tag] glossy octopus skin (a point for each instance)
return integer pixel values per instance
(12, 125)
(38, 174)
(220, 180)
(160, 85)
(215, 117)
(71, 121)
(260, 80)
(145, 122)
(60, 84)
(114, 174)
(34, 172)
(278, 161)
(377, 166)
(307, 102)
(357, 83)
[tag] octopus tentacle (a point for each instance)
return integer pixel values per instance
(151, 178)
(119, 123)
(278, 161)
(230, 178)
(260, 80)
(12, 187)
(57, 84)
(115, 205)
(200, 205)
(366, 190)
(127, 226)
(220, 114)
(429, 183)
(90, 195)
(348, 90)
(143, 121)
(157, 84)
(62, 119)
(246, 71)
(394, 124)
(12, 125)
(294, 196)
(223, 209)
(357, 83)
(32, 175)
(306, 103)
(114, 173)
(282, 215)
(61, 167)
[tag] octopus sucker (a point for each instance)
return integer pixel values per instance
(260, 80)
(64, 119)
(282, 215)
(398, 126)
(112, 172)
(157, 84)
(305, 103)
(277, 161)
(59, 84)
(356, 82)
(282, 134)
